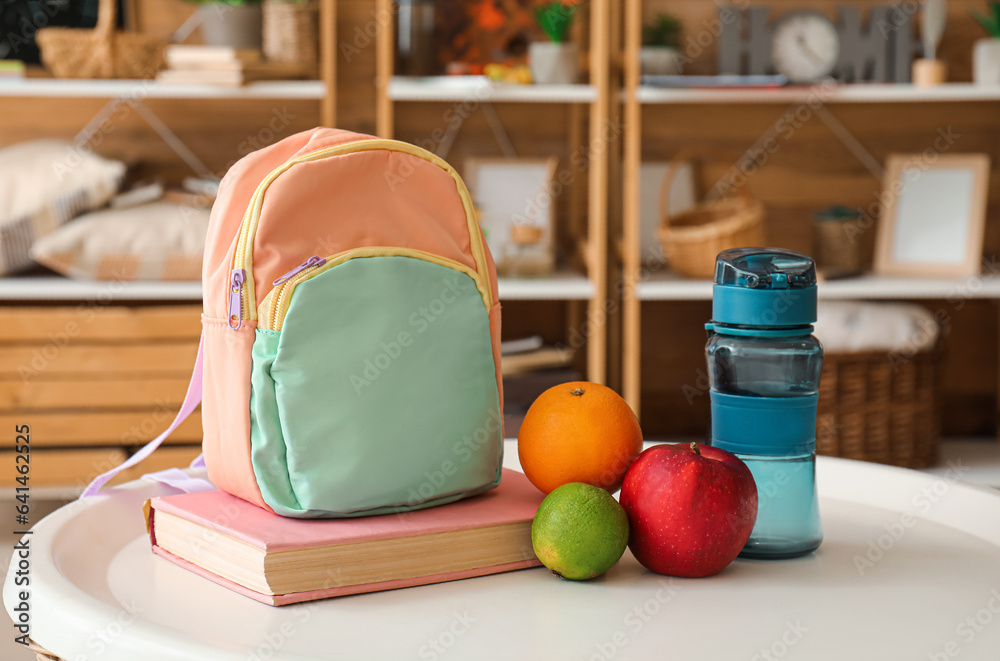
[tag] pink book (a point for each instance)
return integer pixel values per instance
(279, 560)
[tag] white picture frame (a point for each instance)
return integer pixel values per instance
(933, 215)
(509, 192)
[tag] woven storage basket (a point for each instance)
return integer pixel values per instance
(693, 238)
(101, 52)
(876, 406)
(290, 33)
(842, 242)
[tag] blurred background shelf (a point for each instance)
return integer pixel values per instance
(150, 89)
(669, 287)
(479, 88)
(63, 289)
(853, 93)
(560, 286)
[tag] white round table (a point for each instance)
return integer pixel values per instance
(909, 569)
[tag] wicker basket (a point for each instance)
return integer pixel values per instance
(290, 33)
(101, 52)
(880, 407)
(693, 238)
(842, 242)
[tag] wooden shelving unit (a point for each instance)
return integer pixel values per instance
(664, 287)
(323, 90)
(854, 93)
(99, 368)
(591, 287)
(150, 89)
(563, 286)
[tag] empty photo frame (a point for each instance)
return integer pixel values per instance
(516, 206)
(933, 214)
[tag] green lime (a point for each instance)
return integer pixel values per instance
(580, 531)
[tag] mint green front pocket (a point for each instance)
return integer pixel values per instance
(378, 394)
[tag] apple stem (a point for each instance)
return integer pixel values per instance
(576, 392)
(694, 448)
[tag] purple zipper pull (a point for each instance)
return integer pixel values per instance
(236, 279)
(312, 261)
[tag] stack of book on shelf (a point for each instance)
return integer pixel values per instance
(220, 65)
(530, 354)
(279, 560)
(530, 367)
(11, 70)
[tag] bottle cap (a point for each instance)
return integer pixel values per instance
(764, 287)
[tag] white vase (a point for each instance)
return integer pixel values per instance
(986, 62)
(659, 61)
(552, 63)
(236, 26)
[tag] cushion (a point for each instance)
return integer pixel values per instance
(854, 326)
(155, 241)
(43, 184)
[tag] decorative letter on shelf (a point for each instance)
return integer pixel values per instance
(879, 49)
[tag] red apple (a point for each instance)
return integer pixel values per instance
(690, 509)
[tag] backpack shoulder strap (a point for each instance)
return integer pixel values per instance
(191, 401)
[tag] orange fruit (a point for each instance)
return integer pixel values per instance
(578, 432)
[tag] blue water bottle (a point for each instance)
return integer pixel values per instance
(764, 366)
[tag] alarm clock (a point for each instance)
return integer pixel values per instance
(805, 47)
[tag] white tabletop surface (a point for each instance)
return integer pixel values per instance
(909, 569)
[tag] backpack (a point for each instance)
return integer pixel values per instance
(350, 354)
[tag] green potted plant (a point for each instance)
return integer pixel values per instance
(554, 62)
(233, 23)
(986, 52)
(661, 40)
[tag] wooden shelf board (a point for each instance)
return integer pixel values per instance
(559, 286)
(669, 287)
(853, 93)
(479, 88)
(150, 89)
(63, 289)
(565, 286)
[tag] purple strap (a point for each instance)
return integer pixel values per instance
(180, 480)
(191, 401)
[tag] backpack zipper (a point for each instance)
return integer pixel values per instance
(271, 314)
(241, 281)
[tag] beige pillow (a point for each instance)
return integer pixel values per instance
(43, 184)
(156, 241)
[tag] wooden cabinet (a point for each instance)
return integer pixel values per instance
(95, 382)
